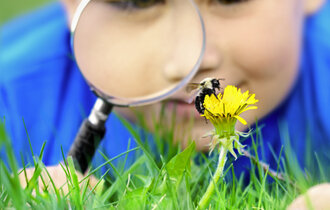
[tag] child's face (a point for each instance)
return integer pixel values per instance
(252, 44)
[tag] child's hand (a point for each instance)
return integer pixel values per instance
(58, 176)
(318, 197)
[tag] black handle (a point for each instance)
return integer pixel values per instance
(85, 144)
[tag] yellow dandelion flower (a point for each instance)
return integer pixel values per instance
(223, 111)
(228, 105)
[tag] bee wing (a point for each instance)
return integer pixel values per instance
(192, 89)
(193, 96)
(192, 86)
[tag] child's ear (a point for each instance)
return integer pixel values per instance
(70, 7)
(311, 6)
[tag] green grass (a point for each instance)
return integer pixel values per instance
(12, 8)
(165, 179)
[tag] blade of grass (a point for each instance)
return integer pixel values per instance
(100, 180)
(116, 185)
(323, 177)
(57, 193)
(29, 140)
(152, 166)
(126, 156)
(107, 162)
(75, 188)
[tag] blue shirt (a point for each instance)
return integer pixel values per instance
(40, 83)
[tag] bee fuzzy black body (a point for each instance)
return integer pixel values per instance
(200, 99)
(206, 87)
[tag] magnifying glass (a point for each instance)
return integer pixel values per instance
(132, 53)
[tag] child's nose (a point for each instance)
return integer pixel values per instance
(185, 58)
(211, 59)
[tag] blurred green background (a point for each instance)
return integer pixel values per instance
(12, 8)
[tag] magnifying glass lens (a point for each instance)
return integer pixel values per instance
(134, 52)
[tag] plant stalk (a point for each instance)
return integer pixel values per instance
(218, 173)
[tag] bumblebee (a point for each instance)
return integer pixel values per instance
(208, 87)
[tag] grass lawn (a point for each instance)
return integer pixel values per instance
(166, 179)
(12, 8)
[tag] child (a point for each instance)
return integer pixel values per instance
(277, 50)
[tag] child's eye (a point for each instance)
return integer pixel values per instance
(135, 4)
(227, 2)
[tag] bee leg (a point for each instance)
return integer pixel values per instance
(205, 120)
(214, 91)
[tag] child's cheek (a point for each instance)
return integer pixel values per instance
(267, 54)
(268, 48)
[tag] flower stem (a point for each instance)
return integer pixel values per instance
(218, 173)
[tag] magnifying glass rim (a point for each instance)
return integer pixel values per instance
(128, 102)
